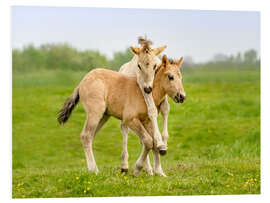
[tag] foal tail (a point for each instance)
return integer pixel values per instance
(70, 103)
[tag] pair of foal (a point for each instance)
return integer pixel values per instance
(105, 93)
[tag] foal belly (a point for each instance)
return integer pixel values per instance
(113, 113)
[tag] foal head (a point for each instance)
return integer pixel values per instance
(147, 63)
(171, 79)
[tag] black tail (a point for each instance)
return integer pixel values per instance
(68, 106)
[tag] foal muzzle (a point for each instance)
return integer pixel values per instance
(147, 90)
(179, 98)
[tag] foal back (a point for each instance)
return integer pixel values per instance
(112, 92)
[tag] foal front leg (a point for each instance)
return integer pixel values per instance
(165, 109)
(147, 142)
(157, 164)
(124, 165)
(152, 113)
(141, 161)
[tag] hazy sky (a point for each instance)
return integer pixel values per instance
(196, 33)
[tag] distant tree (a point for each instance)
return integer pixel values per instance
(250, 56)
(238, 58)
(220, 57)
(188, 61)
(56, 56)
(120, 58)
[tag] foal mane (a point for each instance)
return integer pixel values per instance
(170, 60)
(145, 43)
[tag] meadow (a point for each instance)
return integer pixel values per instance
(213, 148)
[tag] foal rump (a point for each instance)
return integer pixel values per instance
(66, 110)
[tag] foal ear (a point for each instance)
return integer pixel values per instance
(158, 50)
(135, 50)
(179, 63)
(164, 60)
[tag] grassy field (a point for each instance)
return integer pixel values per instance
(214, 144)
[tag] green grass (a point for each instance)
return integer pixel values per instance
(214, 144)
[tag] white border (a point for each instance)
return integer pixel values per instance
(5, 53)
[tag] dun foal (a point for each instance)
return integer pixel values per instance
(136, 68)
(106, 93)
(143, 66)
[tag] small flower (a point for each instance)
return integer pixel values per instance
(88, 182)
(88, 188)
(18, 185)
(84, 191)
(77, 177)
(231, 174)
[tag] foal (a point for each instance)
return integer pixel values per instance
(143, 66)
(106, 93)
(135, 68)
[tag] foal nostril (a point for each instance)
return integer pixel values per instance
(182, 97)
(147, 90)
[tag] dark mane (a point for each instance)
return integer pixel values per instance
(172, 61)
(145, 43)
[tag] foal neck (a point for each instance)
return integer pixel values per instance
(158, 91)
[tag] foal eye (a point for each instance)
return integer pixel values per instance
(155, 66)
(170, 77)
(139, 67)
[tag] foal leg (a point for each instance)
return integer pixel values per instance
(95, 120)
(124, 165)
(152, 113)
(141, 161)
(148, 167)
(136, 126)
(164, 109)
(157, 164)
(104, 119)
(87, 137)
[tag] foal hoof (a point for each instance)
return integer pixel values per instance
(124, 170)
(162, 150)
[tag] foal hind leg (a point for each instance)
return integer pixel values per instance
(94, 122)
(87, 137)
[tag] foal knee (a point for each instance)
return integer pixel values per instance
(148, 142)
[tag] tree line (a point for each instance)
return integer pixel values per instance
(62, 56)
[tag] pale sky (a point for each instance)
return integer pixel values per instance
(196, 33)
